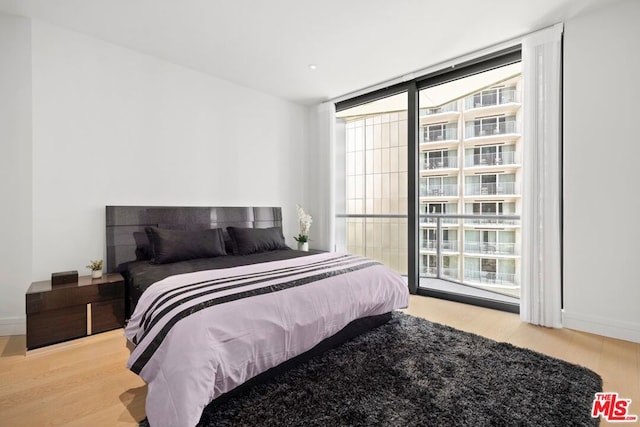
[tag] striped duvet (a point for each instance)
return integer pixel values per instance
(199, 335)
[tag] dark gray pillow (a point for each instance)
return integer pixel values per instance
(179, 245)
(247, 241)
(143, 246)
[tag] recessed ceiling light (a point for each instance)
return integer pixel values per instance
(312, 66)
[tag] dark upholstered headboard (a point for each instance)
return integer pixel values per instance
(123, 221)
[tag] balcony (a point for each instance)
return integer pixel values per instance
(494, 102)
(492, 248)
(439, 135)
(450, 263)
(442, 190)
(491, 278)
(429, 271)
(445, 245)
(445, 273)
(491, 189)
(447, 108)
(500, 97)
(440, 163)
(450, 273)
(435, 116)
(491, 129)
(491, 159)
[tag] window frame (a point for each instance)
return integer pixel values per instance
(471, 67)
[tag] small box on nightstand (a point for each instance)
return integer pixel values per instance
(64, 277)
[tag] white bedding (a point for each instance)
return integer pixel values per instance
(241, 321)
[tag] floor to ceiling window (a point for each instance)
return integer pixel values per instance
(432, 181)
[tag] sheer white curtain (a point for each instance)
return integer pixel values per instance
(542, 170)
(320, 185)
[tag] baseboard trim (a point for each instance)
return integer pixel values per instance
(13, 326)
(628, 331)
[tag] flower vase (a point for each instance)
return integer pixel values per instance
(303, 246)
(96, 274)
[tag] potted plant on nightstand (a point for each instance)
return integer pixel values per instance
(96, 268)
(304, 222)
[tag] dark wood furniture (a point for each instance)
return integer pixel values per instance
(73, 310)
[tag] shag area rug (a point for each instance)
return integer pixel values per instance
(412, 372)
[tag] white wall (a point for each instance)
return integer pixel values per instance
(115, 127)
(15, 170)
(601, 155)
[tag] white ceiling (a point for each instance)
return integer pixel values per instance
(268, 45)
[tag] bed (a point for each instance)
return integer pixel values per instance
(217, 302)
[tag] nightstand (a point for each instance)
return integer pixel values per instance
(73, 310)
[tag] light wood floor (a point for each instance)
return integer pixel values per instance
(85, 382)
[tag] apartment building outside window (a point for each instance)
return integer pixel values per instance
(487, 139)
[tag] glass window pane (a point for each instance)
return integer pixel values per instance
(469, 158)
(378, 189)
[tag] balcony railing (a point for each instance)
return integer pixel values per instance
(440, 134)
(470, 277)
(450, 273)
(491, 159)
(497, 248)
(443, 190)
(429, 271)
(444, 264)
(431, 220)
(504, 96)
(488, 129)
(490, 278)
(445, 245)
(491, 188)
(447, 273)
(452, 106)
(440, 163)
(491, 219)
